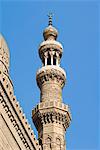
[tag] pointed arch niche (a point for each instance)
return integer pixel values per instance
(58, 141)
(48, 141)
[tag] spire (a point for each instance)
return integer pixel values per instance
(50, 15)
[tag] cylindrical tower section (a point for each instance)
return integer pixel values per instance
(51, 80)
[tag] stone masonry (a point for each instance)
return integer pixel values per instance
(15, 131)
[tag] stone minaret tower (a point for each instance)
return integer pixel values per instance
(51, 116)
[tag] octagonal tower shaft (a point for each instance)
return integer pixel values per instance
(51, 117)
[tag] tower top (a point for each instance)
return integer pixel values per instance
(50, 15)
(50, 32)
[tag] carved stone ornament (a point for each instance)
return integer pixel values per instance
(13, 121)
(51, 73)
(40, 119)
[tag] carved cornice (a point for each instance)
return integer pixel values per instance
(14, 122)
(7, 97)
(52, 116)
(51, 73)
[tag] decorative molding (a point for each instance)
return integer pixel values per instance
(14, 122)
(51, 73)
(21, 117)
(52, 116)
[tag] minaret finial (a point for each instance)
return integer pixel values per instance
(50, 15)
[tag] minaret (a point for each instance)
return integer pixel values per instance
(51, 116)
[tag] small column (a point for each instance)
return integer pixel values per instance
(51, 59)
(52, 55)
(45, 59)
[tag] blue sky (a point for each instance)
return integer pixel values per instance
(22, 24)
